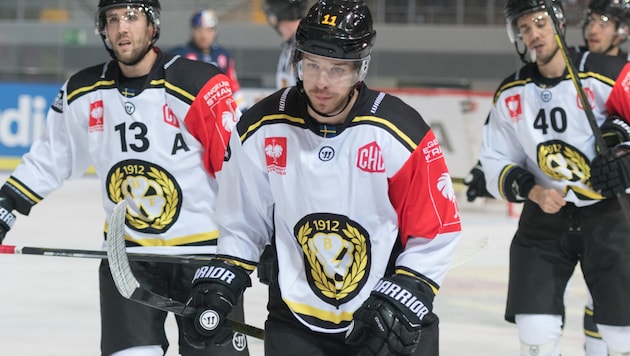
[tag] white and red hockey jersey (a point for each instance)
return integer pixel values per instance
(346, 204)
(540, 125)
(158, 146)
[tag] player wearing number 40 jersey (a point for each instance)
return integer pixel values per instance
(155, 127)
(351, 189)
(538, 147)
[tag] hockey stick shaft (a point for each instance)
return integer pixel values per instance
(469, 252)
(131, 289)
(573, 73)
(63, 252)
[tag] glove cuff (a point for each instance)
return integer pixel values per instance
(517, 184)
(233, 278)
(7, 219)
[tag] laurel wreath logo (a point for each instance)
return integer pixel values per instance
(170, 193)
(323, 282)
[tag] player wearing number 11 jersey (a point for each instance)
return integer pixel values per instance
(155, 128)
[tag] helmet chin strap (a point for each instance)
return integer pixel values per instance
(335, 114)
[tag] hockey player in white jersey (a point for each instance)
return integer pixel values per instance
(155, 128)
(606, 27)
(350, 187)
(284, 16)
(538, 148)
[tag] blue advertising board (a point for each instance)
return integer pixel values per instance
(23, 109)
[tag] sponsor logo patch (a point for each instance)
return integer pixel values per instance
(515, 109)
(370, 158)
(276, 154)
(169, 116)
(97, 112)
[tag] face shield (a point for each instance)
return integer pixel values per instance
(334, 71)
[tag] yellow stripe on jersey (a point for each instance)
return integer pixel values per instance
(407, 273)
(174, 88)
(507, 86)
(178, 241)
(502, 176)
(89, 88)
(255, 126)
(309, 310)
(598, 76)
(389, 125)
(246, 266)
(23, 190)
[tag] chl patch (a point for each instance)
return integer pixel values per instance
(153, 194)
(336, 255)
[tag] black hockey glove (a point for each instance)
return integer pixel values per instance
(476, 182)
(389, 321)
(6, 215)
(615, 130)
(217, 288)
(610, 173)
(265, 265)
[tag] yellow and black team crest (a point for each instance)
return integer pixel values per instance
(561, 161)
(153, 195)
(336, 255)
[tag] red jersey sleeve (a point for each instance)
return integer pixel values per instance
(211, 118)
(619, 99)
(423, 195)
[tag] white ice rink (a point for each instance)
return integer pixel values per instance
(49, 305)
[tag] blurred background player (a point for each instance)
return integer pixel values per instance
(284, 16)
(606, 26)
(203, 46)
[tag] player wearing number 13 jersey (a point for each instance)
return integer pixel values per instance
(155, 127)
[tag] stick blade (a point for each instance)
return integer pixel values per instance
(124, 279)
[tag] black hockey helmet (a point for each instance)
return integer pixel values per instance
(151, 8)
(337, 29)
(618, 10)
(279, 10)
(514, 9)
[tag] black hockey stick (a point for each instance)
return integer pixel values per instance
(573, 73)
(63, 252)
(131, 289)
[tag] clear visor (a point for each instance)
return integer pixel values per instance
(516, 32)
(334, 71)
(131, 14)
(603, 21)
